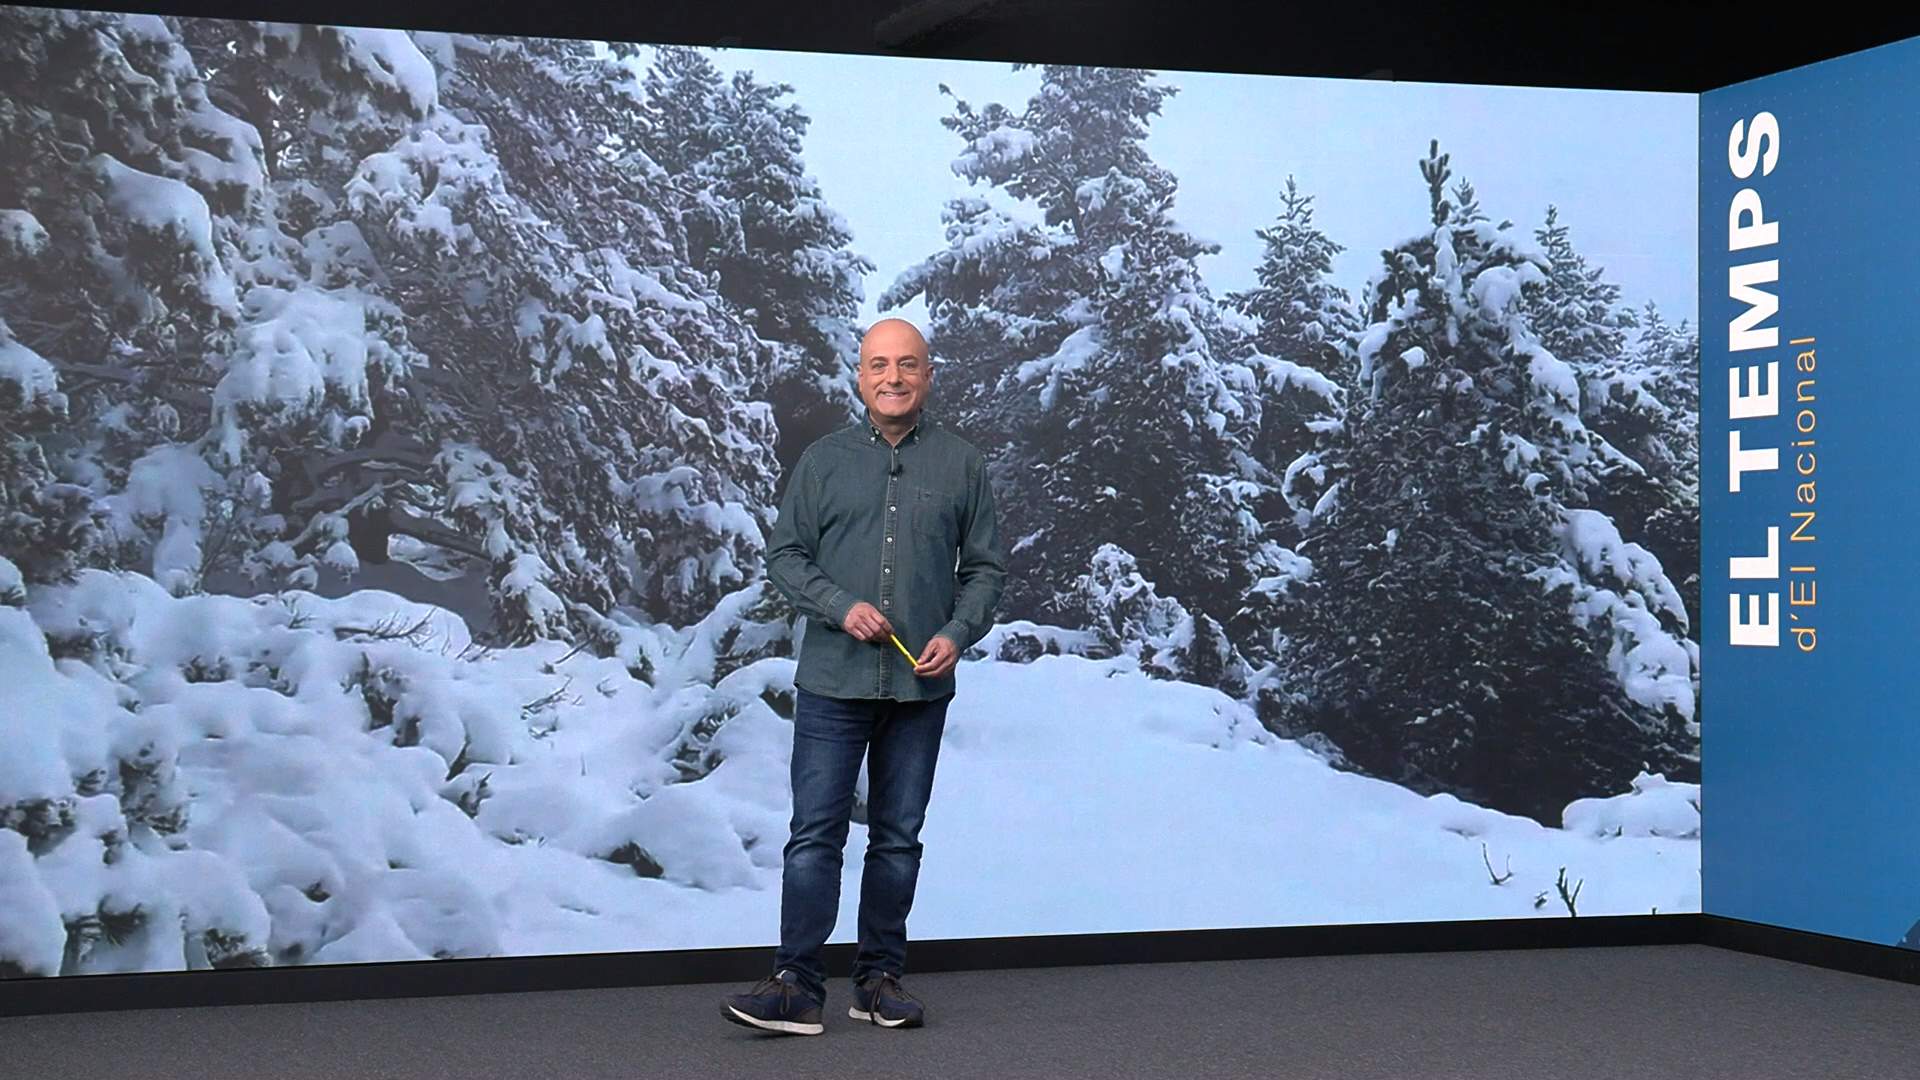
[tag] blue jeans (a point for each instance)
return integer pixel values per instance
(900, 740)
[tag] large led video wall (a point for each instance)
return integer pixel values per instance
(392, 424)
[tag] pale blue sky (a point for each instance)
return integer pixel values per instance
(1621, 166)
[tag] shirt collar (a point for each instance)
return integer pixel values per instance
(912, 435)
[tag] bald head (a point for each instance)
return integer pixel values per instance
(892, 334)
(895, 371)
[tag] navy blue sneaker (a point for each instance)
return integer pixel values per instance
(880, 999)
(776, 1003)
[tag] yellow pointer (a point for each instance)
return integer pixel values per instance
(903, 649)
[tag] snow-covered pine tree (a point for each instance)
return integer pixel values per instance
(758, 223)
(1647, 403)
(1465, 628)
(191, 346)
(83, 284)
(48, 526)
(318, 100)
(1670, 449)
(1300, 317)
(1593, 486)
(1085, 351)
(1640, 393)
(678, 92)
(1575, 310)
(996, 297)
(598, 429)
(1126, 615)
(224, 223)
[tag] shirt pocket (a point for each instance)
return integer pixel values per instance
(935, 517)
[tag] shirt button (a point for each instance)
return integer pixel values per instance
(886, 569)
(890, 509)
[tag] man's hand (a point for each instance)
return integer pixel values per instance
(865, 622)
(937, 659)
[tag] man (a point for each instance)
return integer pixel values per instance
(886, 531)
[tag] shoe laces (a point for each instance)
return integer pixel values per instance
(887, 982)
(774, 983)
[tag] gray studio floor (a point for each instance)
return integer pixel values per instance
(1673, 1012)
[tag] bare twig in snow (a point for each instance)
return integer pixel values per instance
(1498, 879)
(1569, 898)
(390, 628)
(548, 701)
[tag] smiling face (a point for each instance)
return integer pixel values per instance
(895, 372)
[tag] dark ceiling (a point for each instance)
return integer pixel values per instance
(1622, 45)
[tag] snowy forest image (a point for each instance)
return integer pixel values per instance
(392, 424)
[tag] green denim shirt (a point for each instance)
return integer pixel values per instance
(909, 529)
